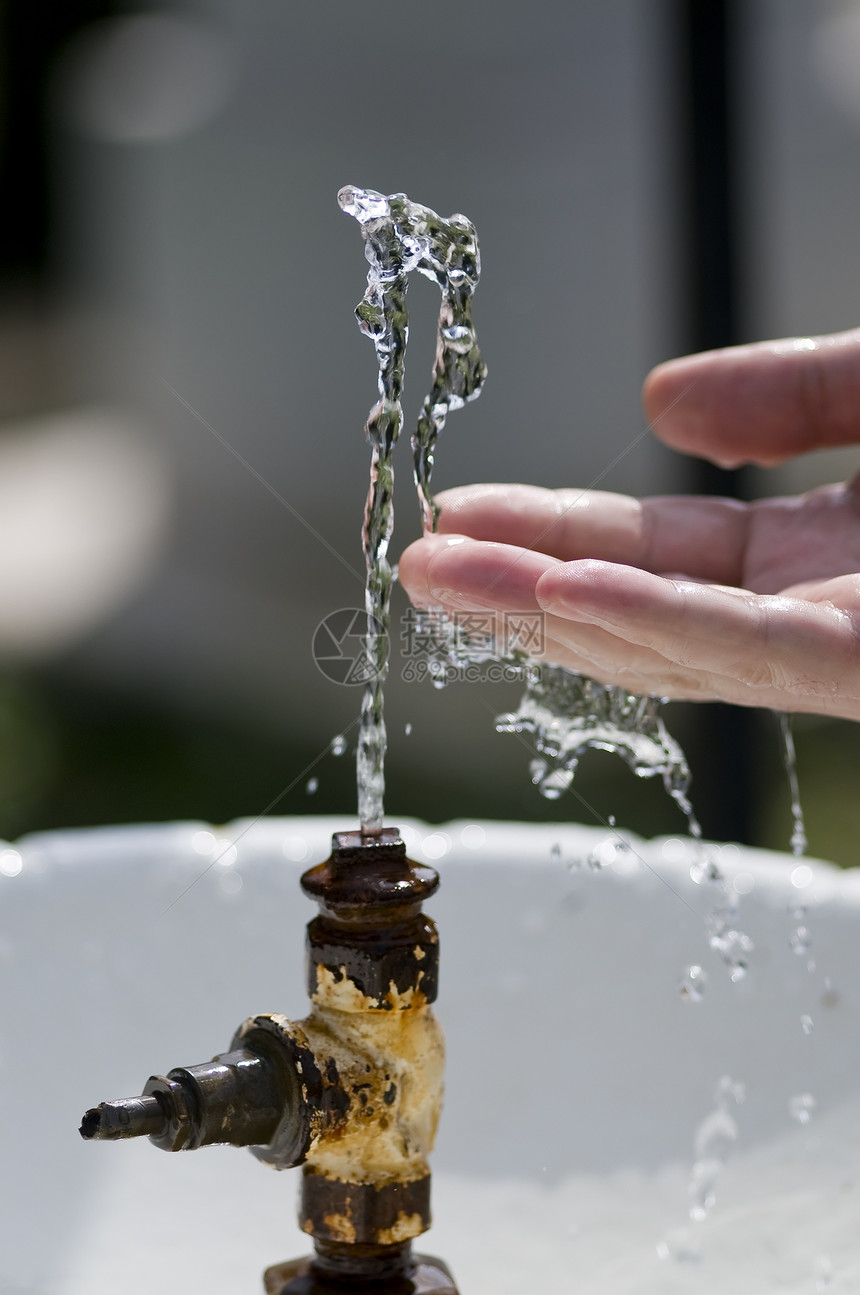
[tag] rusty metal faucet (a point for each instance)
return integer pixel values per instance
(352, 1093)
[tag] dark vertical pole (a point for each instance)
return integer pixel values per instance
(32, 33)
(708, 34)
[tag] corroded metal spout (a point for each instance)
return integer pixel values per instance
(352, 1093)
(129, 1117)
(240, 1097)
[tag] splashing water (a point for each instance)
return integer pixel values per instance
(568, 714)
(401, 236)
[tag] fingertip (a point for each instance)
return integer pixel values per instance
(673, 411)
(761, 402)
(666, 382)
(414, 565)
(656, 388)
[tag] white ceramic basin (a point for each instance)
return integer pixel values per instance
(577, 1073)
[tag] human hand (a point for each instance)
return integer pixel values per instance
(686, 597)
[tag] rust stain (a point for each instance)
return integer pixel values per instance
(404, 1228)
(340, 1228)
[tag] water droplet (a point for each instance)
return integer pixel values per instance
(555, 852)
(11, 863)
(799, 940)
(801, 1107)
(693, 984)
(407, 729)
(715, 1136)
(311, 786)
(702, 1189)
(225, 853)
(807, 1024)
(798, 841)
(203, 842)
(729, 1090)
(801, 876)
(436, 845)
(473, 836)
(611, 820)
(339, 744)
(705, 868)
(603, 855)
(626, 860)
(733, 946)
(555, 783)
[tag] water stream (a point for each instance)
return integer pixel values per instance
(789, 757)
(401, 236)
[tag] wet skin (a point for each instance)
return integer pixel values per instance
(681, 596)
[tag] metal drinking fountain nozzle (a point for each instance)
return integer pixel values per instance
(352, 1093)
